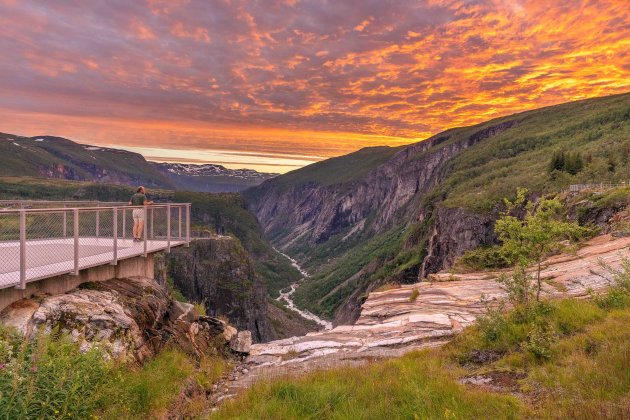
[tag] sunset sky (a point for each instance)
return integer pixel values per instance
(274, 85)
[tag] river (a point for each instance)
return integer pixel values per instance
(286, 296)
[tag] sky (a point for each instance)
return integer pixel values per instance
(277, 84)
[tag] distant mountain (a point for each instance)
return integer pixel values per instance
(60, 158)
(211, 178)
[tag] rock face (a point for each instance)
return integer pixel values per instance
(310, 219)
(220, 273)
(454, 232)
(131, 319)
(314, 213)
(241, 342)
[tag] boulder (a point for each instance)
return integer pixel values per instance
(242, 342)
(184, 311)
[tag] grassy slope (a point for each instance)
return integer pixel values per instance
(29, 157)
(584, 375)
(225, 212)
(49, 377)
(344, 169)
(477, 179)
(597, 128)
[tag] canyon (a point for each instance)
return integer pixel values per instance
(426, 314)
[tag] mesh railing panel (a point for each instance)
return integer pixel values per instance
(43, 242)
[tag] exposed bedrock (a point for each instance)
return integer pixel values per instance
(130, 319)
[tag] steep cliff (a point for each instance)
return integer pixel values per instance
(219, 273)
(454, 232)
(324, 224)
(318, 212)
(395, 215)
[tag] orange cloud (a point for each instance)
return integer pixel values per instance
(303, 77)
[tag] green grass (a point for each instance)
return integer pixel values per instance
(585, 376)
(49, 377)
(154, 389)
(414, 386)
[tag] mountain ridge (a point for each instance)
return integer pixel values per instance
(60, 158)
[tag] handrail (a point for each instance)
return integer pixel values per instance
(67, 209)
(598, 186)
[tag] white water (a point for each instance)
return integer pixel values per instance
(286, 296)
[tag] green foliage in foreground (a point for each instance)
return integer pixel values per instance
(418, 385)
(528, 240)
(568, 358)
(49, 377)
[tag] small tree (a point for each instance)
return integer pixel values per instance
(527, 240)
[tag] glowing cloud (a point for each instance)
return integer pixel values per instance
(308, 77)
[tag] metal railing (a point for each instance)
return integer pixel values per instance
(47, 204)
(597, 187)
(41, 239)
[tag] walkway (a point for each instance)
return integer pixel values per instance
(53, 257)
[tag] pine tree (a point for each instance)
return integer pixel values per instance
(557, 161)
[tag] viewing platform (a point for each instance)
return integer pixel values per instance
(51, 240)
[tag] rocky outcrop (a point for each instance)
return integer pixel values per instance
(130, 319)
(427, 313)
(588, 213)
(454, 232)
(218, 272)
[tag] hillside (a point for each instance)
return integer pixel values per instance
(396, 215)
(56, 157)
(59, 158)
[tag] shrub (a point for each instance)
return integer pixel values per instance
(414, 295)
(485, 258)
(539, 341)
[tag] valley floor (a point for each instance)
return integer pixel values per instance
(427, 314)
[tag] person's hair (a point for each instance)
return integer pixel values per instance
(140, 189)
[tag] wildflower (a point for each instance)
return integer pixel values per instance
(34, 369)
